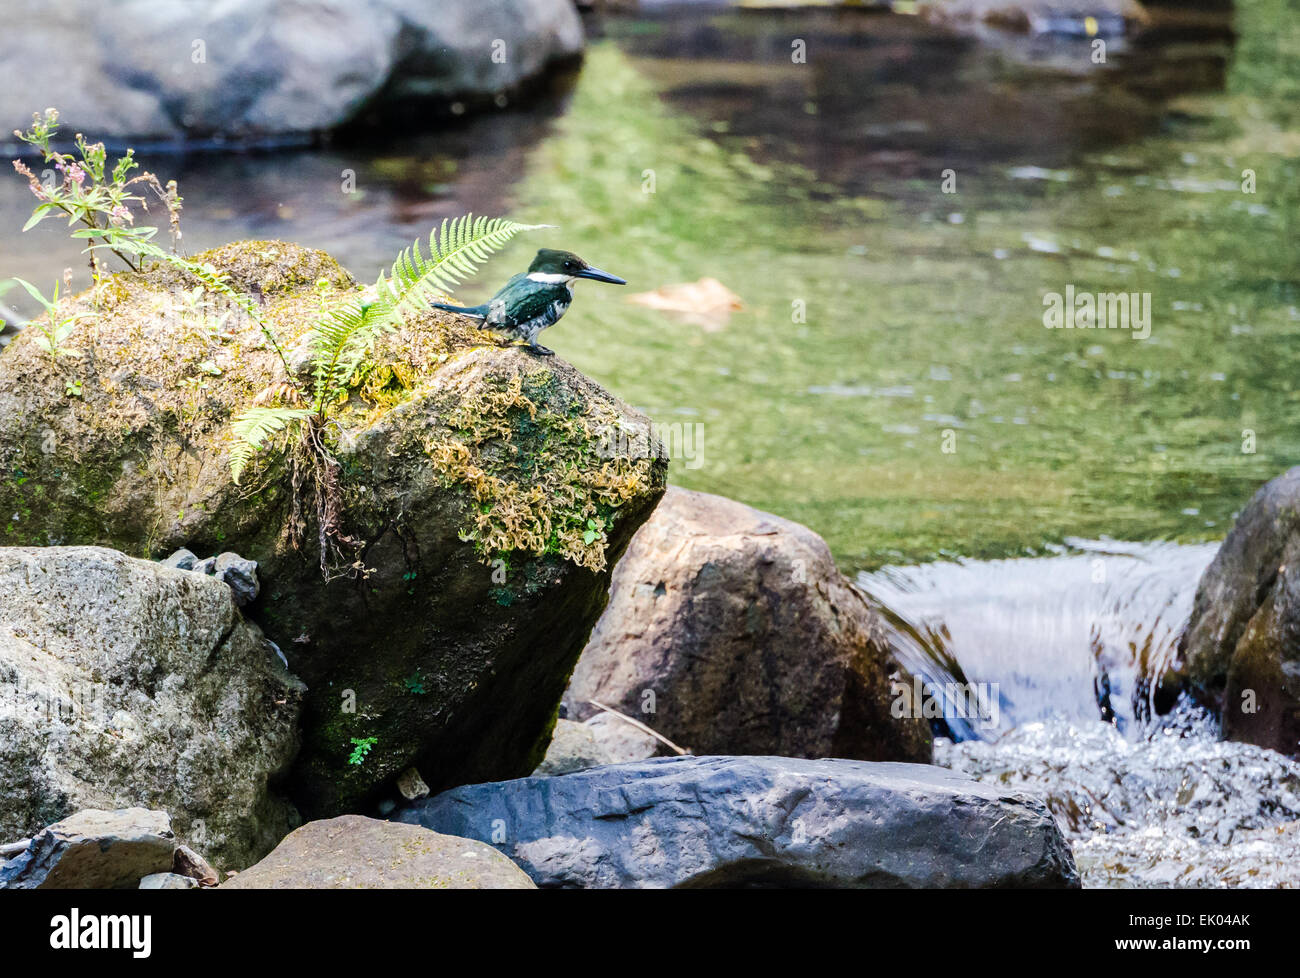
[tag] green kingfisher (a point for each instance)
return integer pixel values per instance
(536, 299)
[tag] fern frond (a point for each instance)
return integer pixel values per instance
(251, 430)
(456, 249)
(345, 334)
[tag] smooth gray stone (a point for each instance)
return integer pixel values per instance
(759, 821)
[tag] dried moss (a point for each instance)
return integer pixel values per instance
(530, 458)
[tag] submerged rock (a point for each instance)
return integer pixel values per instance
(1241, 649)
(731, 631)
(94, 850)
(263, 70)
(126, 683)
(759, 821)
(352, 852)
(1072, 18)
(474, 481)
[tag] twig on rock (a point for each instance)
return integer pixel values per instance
(639, 725)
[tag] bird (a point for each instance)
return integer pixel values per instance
(534, 300)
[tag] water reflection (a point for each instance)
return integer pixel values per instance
(899, 95)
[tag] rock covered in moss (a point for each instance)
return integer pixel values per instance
(486, 506)
(126, 683)
(731, 631)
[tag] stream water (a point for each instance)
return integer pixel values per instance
(1064, 644)
(887, 378)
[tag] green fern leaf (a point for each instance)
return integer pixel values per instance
(456, 249)
(343, 337)
(251, 430)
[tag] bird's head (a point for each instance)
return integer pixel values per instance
(553, 265)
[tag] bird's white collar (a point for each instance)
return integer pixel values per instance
(550, 278)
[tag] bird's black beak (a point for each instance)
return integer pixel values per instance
(597, 275)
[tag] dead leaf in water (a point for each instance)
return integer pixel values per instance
(706, 303)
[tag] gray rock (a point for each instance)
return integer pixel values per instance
(168, 881)
(573, 747)
(258, 69)
(353, 852)
(94, 850)
(236, 572)
(621, 741)
(1241, 648)
(760, 821)
(128, 683)
(181, 560)
(240, 575)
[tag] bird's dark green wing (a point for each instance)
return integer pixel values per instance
(522, 300)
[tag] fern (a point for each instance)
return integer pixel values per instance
(455, 252)
(252, 428)
(343, 337)
(340, 340)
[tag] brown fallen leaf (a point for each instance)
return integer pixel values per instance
(706, 303)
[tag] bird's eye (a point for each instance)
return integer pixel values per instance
(571, 265)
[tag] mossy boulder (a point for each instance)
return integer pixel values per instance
(476, 481)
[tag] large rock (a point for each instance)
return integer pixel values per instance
(470, 478)
(760, 821)
(731, 631)
(94, 850)
(258, 69)
(126, 683)
(352, 852)
(1241, 649)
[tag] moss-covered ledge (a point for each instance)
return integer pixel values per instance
(483, 485)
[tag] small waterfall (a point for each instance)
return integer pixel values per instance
(1068, 643)
(1072, 636)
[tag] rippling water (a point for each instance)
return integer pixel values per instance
(1146, 800)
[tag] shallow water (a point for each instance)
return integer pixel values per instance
(1066, 644)
(883, 320)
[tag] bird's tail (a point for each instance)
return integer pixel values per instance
(477, 312)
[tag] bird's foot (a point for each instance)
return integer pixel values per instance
(541, 351)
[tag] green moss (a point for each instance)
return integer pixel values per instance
(521, 447)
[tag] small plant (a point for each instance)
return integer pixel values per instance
(595, 531)
(415, 684)
(360, 748)
(100, 199)
(55, 329)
